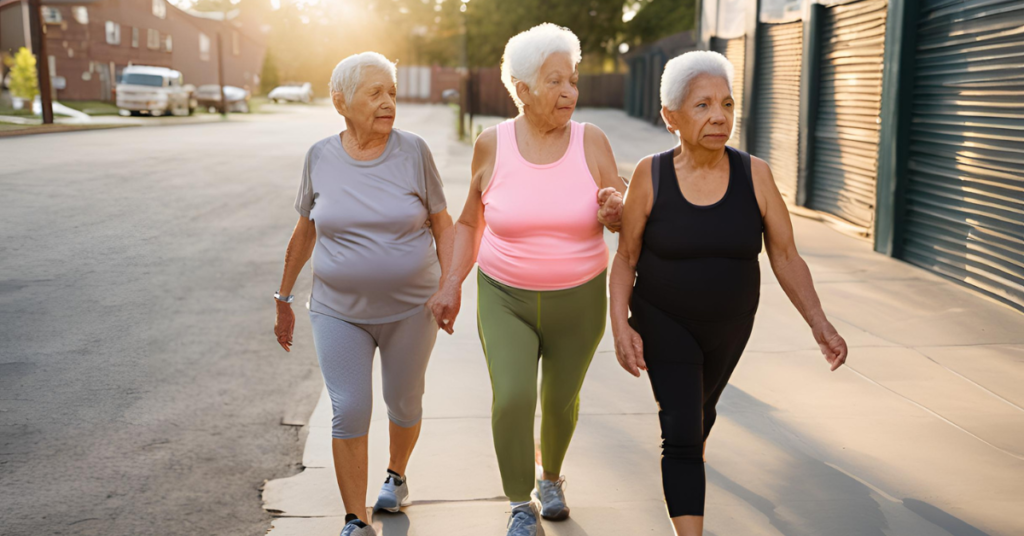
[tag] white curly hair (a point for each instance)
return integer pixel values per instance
(681, 70)
(349, 72)
(526, 52)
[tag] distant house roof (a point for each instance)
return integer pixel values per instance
(234, 18)
(146, 69)
(214, 15)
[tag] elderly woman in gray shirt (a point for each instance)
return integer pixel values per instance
(371, 209)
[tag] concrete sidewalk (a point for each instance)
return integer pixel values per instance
(922, 433)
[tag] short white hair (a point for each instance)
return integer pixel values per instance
(349, 72)
(527, 51)
(681, 70)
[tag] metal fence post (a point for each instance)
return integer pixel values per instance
(809, 88)
(750, 76)
(894, 136)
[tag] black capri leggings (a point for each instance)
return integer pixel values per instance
(689, 364)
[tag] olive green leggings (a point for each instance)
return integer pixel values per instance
(517, 329)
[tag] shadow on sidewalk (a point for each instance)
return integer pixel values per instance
(393, 524)
(950, 523)
(807, 485)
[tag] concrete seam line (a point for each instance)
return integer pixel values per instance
(871, 486)
(972, 382)
(940, 417)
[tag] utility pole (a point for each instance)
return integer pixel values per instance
(220, 73)
(466, 86)
(42, 60)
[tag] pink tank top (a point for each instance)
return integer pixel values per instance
(542, 231)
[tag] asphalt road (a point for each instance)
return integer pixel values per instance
(141, 388)
(142, 391)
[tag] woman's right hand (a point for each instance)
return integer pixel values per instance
(445, 304)
(629, 349)
(284, 324)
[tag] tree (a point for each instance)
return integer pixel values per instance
(660, 18)
(269, 77)
(491, 23)
(24, 80)
(432, 30)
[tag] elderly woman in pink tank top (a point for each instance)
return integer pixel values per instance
(544, 188)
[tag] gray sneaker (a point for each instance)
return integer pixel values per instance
(394, 494)
(551, 498)
(524, 521)
(352, 528)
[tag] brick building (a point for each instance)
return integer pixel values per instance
(89, 45)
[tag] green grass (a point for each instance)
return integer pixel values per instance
(7, 110)
(256, 104)
(92, 107)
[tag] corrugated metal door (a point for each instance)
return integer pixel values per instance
(735, 50)
(845, 167)
(964, 202)
(777, 125)
(652, 110)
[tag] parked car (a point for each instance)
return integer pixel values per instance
(155, 91)
(450, 96)
(292, 93)
(208, 96)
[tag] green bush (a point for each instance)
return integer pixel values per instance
(24, 81)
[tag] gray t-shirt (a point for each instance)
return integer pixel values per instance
(374, 259)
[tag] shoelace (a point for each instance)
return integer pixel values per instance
(558, 487)
(518, 516)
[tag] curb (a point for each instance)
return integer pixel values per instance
(29, 130)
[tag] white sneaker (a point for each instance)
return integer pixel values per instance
(357, 528)
(394, 494)
(525, 521)
(550, 497)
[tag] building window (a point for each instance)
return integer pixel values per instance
(236, 43)
(152, 39)
(204, 47)
(168, 45)
(81, 14)
(159, 9)
(113, 33)
(135, 38)
(51, 15)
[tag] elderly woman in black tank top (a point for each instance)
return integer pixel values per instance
(687, 269)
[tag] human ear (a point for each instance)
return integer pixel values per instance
(666, 116)
(523, 91)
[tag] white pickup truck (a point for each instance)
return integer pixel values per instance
(155, 91)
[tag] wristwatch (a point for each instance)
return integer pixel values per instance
(285, 299)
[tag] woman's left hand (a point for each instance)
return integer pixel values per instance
(610, 213)
(832, 344)
(445, 305)
(284, 325)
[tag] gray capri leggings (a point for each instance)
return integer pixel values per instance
(345, 352)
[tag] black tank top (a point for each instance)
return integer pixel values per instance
(699, 262)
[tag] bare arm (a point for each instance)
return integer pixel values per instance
(446, 303)
(300, 248)
(636, 209)
(444, 236)
(790, 268)
(601, 162)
